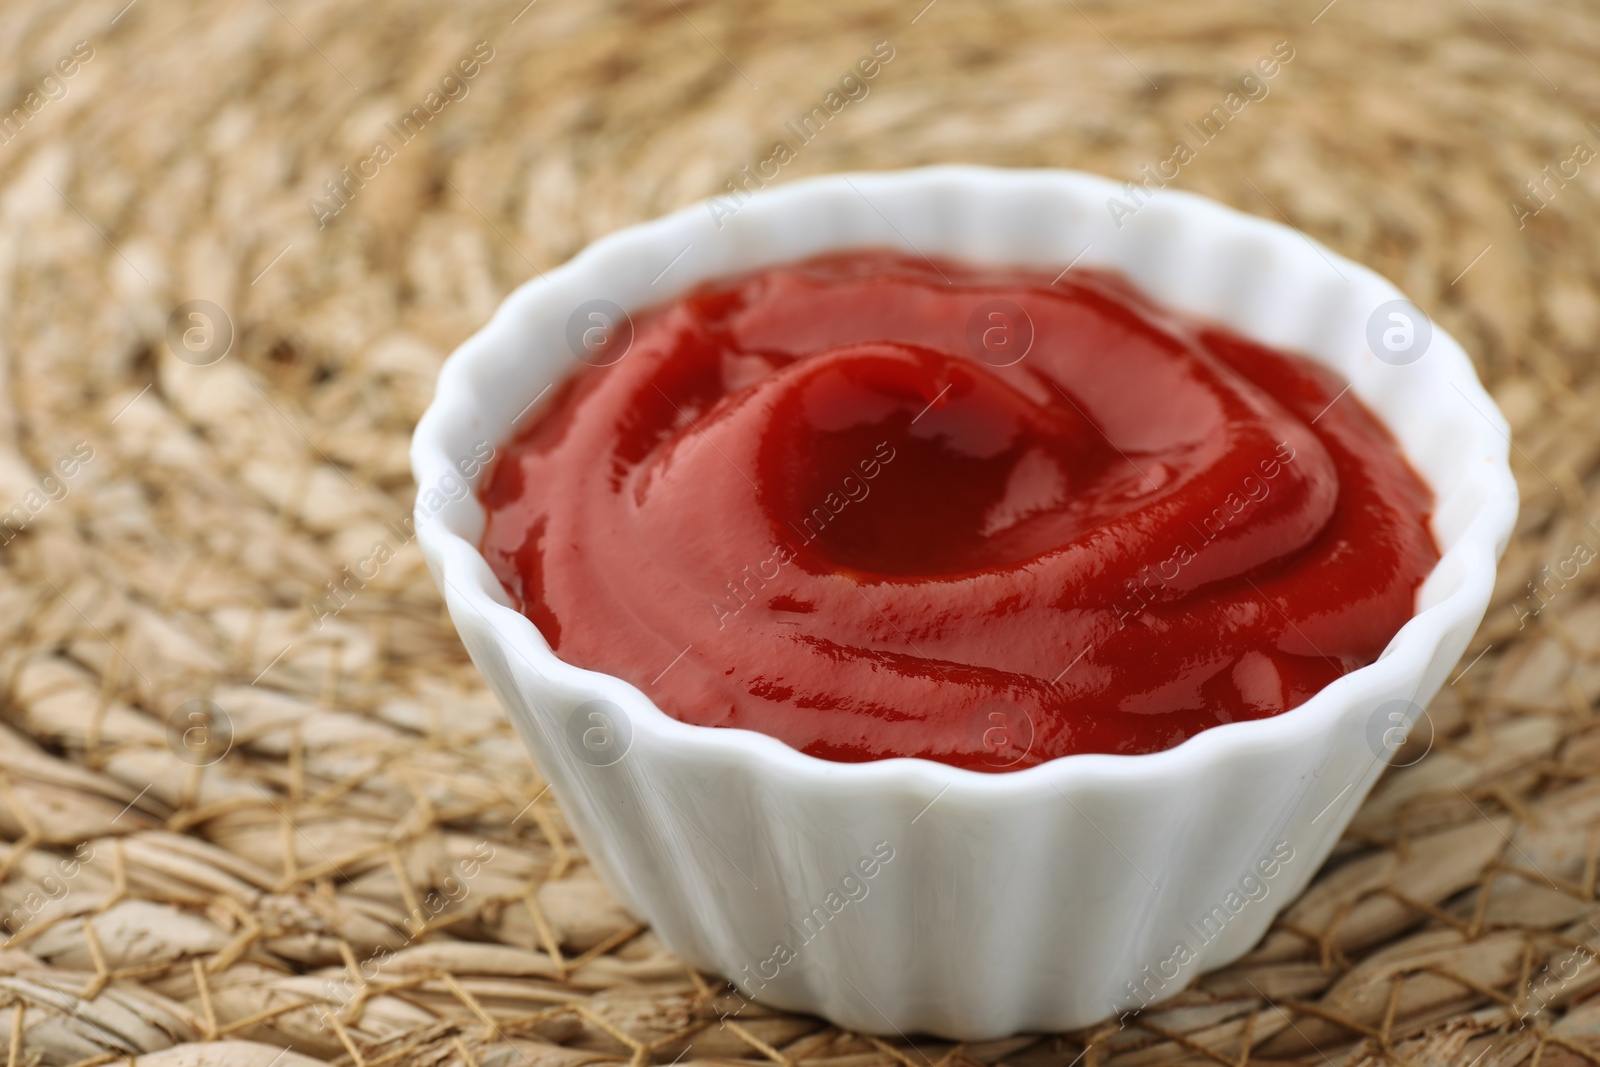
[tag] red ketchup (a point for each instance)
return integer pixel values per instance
(876, 506)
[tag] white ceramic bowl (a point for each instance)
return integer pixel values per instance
(1041, 899)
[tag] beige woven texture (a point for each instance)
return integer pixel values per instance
(238, 837)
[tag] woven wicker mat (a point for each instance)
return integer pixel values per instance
(235, 837)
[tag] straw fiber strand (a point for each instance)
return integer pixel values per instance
(259, 810)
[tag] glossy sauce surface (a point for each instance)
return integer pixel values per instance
(875, 506)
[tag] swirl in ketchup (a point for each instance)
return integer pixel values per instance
(876, 506)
